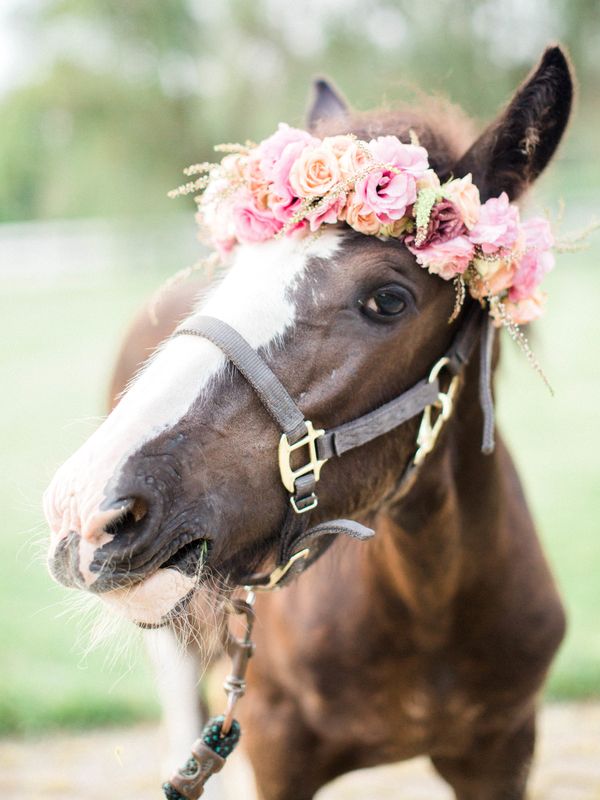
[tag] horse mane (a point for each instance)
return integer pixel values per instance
(440, 126)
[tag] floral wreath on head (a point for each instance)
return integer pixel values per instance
(293, 183)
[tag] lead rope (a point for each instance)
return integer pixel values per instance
(221, 733)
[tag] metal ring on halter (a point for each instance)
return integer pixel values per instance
(428, 431)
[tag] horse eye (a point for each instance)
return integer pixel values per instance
(386, 303)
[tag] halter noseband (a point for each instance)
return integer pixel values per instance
(299, 544)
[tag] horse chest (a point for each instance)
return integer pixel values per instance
(365, 687)
(405, 705)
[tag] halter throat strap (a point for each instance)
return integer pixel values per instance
(300, 545)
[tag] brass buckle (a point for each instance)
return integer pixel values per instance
(314, 502)
(428, 431)
(280, 572)
(289, 475)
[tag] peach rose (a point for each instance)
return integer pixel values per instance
(523, 311)
(353, 160)
(465, 196)
(339, 144)
(359, 217)
(314, 172)
(235, 167)
(258, 185)
(496, 277)
(428, 180)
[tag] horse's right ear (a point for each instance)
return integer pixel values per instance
(327, 103)
(515, 148)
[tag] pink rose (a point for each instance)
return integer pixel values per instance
(285, 202)
(408, 157)
(465, 196)
(446, 259)
(537, 233)
(498, 225)
(314, 172)
(216, 229)
(270, 150)
(253, 224)
(389, 190)
(537, 259)
(531, 269)
(276, 156)
(387, 194)
(360, 217)
(329, 212)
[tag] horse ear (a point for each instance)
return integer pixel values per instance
(327, 103)
(515, 148)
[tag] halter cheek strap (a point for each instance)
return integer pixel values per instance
(299, 544)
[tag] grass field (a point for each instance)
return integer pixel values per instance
(57, 343)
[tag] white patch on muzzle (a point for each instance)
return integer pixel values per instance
(255, 297)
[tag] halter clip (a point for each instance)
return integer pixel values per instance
(289, 475)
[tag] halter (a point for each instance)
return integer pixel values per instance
(301, 545)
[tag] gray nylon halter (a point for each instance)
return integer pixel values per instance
(300, 545)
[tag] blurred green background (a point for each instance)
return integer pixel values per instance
(102, 103)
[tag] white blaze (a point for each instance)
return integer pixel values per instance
(255, 298)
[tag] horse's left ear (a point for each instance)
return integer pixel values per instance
(513, 150)
(327, 103)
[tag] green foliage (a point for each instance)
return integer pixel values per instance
(132, 92)
(138, 90)
(47, 677)
(64, 337)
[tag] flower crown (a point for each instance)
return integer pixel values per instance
(293, 183)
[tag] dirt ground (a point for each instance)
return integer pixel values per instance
(122, 764)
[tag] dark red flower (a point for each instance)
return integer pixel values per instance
(445, 223)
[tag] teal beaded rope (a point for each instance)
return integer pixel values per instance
(212, 737)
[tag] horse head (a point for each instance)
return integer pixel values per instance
(185, 468)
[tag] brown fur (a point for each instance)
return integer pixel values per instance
(435, 637)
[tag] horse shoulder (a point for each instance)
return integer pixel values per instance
(156, 320)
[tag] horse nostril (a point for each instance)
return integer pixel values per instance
(114, 517)
(139, 509)
(130, 511)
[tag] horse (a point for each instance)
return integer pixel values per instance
(434, 637)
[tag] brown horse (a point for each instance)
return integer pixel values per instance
(435, 636)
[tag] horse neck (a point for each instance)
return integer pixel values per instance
(432, 541)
